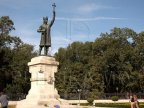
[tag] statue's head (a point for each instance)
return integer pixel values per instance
(45, 19)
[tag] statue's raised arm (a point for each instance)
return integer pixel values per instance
(54, 14)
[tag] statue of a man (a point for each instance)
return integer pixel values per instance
(45, 30)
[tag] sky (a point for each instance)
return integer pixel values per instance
(76, 20)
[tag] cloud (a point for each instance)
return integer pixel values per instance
(27, 33)
(90, 19)
(89, 8)
(77, 30)
(57, 42)
(97, 18)
(61, 40)
(83, 9)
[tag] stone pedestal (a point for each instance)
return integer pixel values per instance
(43, 92)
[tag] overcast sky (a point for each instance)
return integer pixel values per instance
(76, 20)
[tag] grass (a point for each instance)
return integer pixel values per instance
(118, 105)
(115, 105)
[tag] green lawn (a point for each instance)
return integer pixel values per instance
(115, 105)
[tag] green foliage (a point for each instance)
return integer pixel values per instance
(114, 60)
(90, 100)
(14, 56)
(6, 25)
(114, 98)
(115, 105)
(76, 70)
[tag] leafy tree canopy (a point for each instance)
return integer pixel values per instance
(14, 56)
(113, 62)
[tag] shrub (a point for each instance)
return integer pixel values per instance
(114, 98)
(90, 100)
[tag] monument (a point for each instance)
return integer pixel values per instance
(43, 93)
(45, 30)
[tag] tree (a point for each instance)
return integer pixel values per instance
(77, 71)
(6, 25)
(114, 60)
(15, 55)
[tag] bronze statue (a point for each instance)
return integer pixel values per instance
(45, 30)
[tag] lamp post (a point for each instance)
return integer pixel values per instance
(117, 90)
(79, 96)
